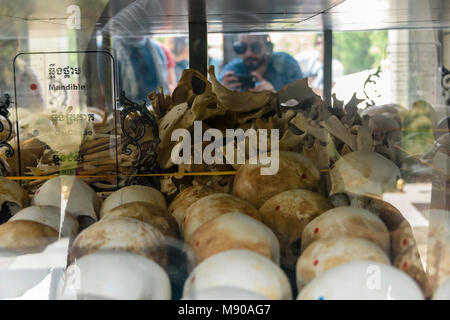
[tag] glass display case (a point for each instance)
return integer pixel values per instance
(175, 149)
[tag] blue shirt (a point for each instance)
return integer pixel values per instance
(281, 69)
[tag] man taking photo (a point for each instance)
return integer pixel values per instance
(259, 68)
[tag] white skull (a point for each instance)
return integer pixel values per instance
(402, 239)
(389, 214)
(184, 199)
(287, 214)
(225, 293)
(325, 254)
(26, 236)
(296, 171)
(234, 231)
(28, 276)
(347, 221)
(131, 194)
(410, 262)
(363, 173)
(214, 205)
(123, 234)
(242, 269)
(114, 275)
(14, 283)
(78, 198)
(362, 280)
(148, 213)
(50, 216)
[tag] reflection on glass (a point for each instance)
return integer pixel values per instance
(258, 67)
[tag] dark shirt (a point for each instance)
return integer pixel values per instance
(281, 69)
(141, 67)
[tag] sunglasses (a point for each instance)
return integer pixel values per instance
(241, 47)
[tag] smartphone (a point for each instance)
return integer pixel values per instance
(247, 81)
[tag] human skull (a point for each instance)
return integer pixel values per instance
(51, 217)
(184, 199)
(347, 221)
(410, 262)
(28, 276)
(389, 214)
(325, 254)
(369, 281)
(12, 198)
(131, 194)
(78, 198)
(15, 282)
(363, 173)
(287, 214)
(241, 269)
(212, 206)
(234, 231)
(114, 275)
(26, 236)
(225, 293)
(402, 239)
(295, 172)
(122, 234)
(148, 213)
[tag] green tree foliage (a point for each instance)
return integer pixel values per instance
(417, 134)
(360, 50)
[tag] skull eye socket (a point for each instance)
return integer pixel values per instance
(5, 215)
(8, 209)
(296, 247)
(198, 85)
(223, 183)
(85, 221)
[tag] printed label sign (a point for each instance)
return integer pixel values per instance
(65, 106)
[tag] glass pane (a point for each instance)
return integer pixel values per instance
(53, 92)
(266, 61)
(132, 170)
(397, 76)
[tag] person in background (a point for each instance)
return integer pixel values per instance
(271, 70)
(28, 90)
(170, 65)
(142, 66)
(180, 50)
(311, 62)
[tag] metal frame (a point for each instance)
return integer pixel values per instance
(198, 36)
(445, 82)
(4, 105)
(146, 163)
(327, 64)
